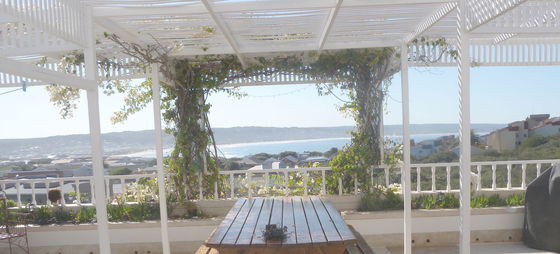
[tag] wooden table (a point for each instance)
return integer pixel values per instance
(314, 226)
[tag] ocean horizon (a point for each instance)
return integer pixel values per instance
(276, 147)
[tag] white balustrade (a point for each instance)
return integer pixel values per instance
(29, 190)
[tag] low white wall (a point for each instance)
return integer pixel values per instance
(430, 227)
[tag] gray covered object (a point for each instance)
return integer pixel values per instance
(542, 211)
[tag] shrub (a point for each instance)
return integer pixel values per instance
(380, 199)
(42, 215)
(84, 215)
(480, 202)
(426, 202)
(61, 216)
(516, 200)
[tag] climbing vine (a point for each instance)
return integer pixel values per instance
(363, 75)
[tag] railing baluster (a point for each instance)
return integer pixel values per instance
(287, 183)
(91, 190)
(231, 186)
(433, 179)
(323, 184)
(63, 199)
(249, 188)
(339, 186)
(266, 183)
(123, 189)
(33, 196)
(448, 172)
(18, 190)
(370, 179)
(418, 181)
(523, 175)
(508, 176)
(216, 190)
(78, 194)
(107, 191)
(305, 179)
(493, 176)
(355, 184)
(387, 175)
(200, 192)
(479, 180)
(539, 169)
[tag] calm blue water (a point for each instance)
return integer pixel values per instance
(299, 146)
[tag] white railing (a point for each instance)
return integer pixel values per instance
(426, 178)
(432, 177)
(35, 191)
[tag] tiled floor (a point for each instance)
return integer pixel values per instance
(490, 248)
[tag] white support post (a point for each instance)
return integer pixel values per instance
(381, 134)
(405, 173)
(465, 129)
(156, 95)
(95, 136)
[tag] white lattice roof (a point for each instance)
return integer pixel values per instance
(503, 30)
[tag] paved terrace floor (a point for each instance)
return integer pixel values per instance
(489, 248)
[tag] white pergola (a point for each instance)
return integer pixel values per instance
(485, 32)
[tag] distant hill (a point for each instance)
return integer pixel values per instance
(135, 141)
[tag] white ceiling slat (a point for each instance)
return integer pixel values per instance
(226, 32)
(242, 6)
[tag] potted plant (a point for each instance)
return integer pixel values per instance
(54, 195)
(274, 234)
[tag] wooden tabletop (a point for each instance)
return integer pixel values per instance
(310, 221)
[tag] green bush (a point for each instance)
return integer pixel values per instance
(480, 202)
(42, 215)
(61, 215)
(516, 200)
(84, 215)
(380, 200)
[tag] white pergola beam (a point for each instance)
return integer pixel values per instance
(485, 11)
(45, 75)
(328, 46)
(156, 98)
(464, 63)
(330, 21)
(225, 31)
(43, 50)
(241, 6)
(431, 20)
(99, 195)
(405, 170)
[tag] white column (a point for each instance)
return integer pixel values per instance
(381, 133)
(156, 96)
(405, 171)
(95, 139)
(465, 129)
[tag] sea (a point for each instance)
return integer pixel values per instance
(276, 147)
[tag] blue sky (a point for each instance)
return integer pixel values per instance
(499, 95)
